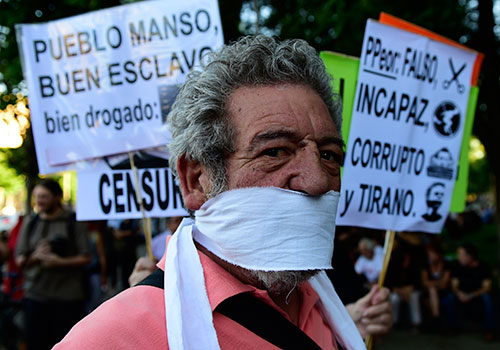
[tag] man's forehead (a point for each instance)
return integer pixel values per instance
(288, 111)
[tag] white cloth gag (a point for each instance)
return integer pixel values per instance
(259, 228)
(269, 228)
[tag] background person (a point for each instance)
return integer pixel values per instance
(122, 254)
(471, 286)
(52, 250)
(369, 263)
(403, 278)
(436, 281)
(96, 272)
(159, 242)
(11, 310)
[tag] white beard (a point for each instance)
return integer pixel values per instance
(280, 282)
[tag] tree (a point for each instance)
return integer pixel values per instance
(487, 124)
(338, 25)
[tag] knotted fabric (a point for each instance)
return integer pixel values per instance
(257, 228)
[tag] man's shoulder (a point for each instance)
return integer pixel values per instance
(134, 318)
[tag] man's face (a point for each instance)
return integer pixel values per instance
(285, 137)
(45, 201)
(463, 257)
(365, 251)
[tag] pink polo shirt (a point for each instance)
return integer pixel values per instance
(135, 319)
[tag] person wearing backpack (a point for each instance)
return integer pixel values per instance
(52, 250)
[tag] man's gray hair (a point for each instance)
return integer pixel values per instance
(198, 120)
(367, 243)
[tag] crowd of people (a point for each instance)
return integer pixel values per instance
(430, 290)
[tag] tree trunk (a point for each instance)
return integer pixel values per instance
(487, 126)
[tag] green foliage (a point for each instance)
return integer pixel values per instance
(484, 237)
(338, 25)
(479, 176)
(230, 18)
(19, 11)
(12, 182)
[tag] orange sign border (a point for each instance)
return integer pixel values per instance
(388, 19)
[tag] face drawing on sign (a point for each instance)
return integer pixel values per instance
(441, 164)
(434, 196)
(446, 119)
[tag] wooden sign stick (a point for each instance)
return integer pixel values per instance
(389, 242)
(146, 222)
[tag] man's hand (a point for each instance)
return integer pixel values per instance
(45, 256)
(463, 297)
(143, 267)
(372, 314)
(50, 259)
(42, 249)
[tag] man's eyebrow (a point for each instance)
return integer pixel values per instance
(331, 140)
(272, 135)
(291, 136)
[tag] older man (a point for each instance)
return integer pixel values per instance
(257, 149)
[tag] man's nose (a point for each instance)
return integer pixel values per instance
(308, 175)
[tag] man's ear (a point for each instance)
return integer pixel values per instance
(194, 182)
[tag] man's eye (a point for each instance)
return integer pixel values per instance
(274, 152)
(331, 156)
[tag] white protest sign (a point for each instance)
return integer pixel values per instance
(406, 131)
(108, 190)
(100, 83)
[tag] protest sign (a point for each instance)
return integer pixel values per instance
(460, 190)
(344, 70)
(108, 190)
(459, 196)
(100, 83)
(406, 131)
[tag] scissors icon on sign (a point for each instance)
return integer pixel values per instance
(447, 83)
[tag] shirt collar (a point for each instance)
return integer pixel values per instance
(222, 285)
